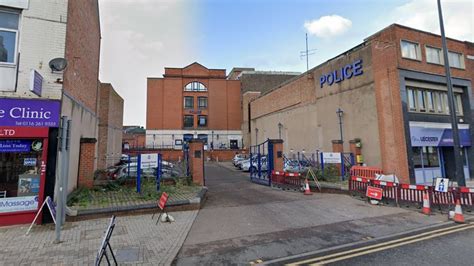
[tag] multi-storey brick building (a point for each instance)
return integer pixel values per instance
(393, 94)
(34, 95)
(193, 102)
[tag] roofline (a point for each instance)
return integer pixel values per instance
(412, 29)
(198, 64)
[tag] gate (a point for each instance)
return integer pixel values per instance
(347, 163)
(261, 163)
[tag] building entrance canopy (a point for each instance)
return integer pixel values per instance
(437, 134)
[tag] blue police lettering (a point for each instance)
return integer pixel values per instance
(346, 72)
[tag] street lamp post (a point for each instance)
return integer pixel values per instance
(458, 172)
(340, 113)
(280, 126)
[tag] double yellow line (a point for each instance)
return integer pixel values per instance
(331, 258)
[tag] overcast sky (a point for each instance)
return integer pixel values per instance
(141, 37)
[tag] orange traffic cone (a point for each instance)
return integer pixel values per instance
(458, 216)
(426, 204)
(307, 191)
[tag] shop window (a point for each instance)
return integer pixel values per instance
(20, 170)
(431, 155)
(202, 102)
(202, 121)
(188, 121)
(456, 60)
(411, 50)
(417, 157)
(434, 55)
(188, 102)
(195, 86)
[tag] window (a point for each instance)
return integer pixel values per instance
(195, 86)
(188, 102)
(202, 102)
(455, 60)
(8, 36)
(433, 55)
(188, 121)
(411, 100)
(432, 101)
(202, 121)
(416, 157)
(458, 103)
(20, 171)
(421, 101)
(411, 50)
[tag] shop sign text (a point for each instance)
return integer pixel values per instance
(15, 145)
(15, 204)
(346, 72)
(31, 113)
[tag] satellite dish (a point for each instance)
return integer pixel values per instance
(58, 64)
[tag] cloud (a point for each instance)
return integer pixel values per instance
(138, 41)
(423, 15)
(328, 26)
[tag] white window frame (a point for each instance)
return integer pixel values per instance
(461, 60)
(17, 33)
(441, 57)
(417, 50)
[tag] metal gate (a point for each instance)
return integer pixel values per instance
(261, 163)
(347, 162)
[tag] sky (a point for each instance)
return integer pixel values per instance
(142, 37)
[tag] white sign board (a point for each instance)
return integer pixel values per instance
(332, 157)
(149, 160)
(441, 184)
(16, 204)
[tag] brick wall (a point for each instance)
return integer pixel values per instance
(86, 163)
(110, 126)
(83, 52)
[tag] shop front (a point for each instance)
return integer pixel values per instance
(24, 137)
(433, 153)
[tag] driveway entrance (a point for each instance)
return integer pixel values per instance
(242, 221)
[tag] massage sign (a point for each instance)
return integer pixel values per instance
(346, 72)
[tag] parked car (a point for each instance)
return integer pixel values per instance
(246, 167)
(239, 157)
(296, 167)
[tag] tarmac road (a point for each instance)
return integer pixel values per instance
(242, 222)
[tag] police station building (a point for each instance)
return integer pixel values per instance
(393, 95)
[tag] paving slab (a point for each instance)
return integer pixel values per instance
(136, 240)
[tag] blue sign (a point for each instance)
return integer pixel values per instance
(437, 137)
(15, 145)
(30, 113)
(29, 162)
(36, 83)
(346, 72)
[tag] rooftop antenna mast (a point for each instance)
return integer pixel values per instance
(307, 53)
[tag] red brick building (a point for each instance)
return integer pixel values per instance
(193, 102)
(392, 90)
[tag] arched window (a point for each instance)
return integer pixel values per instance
(195, 86)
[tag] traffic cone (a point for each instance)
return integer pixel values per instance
(307, 191)
(458, 216)
(426, 204)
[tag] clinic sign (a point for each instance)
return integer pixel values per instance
(16, 204)
(29, 113)
(437, 137)
(346, 72)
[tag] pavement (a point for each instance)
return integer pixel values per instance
(136, 240)
(242, 222)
